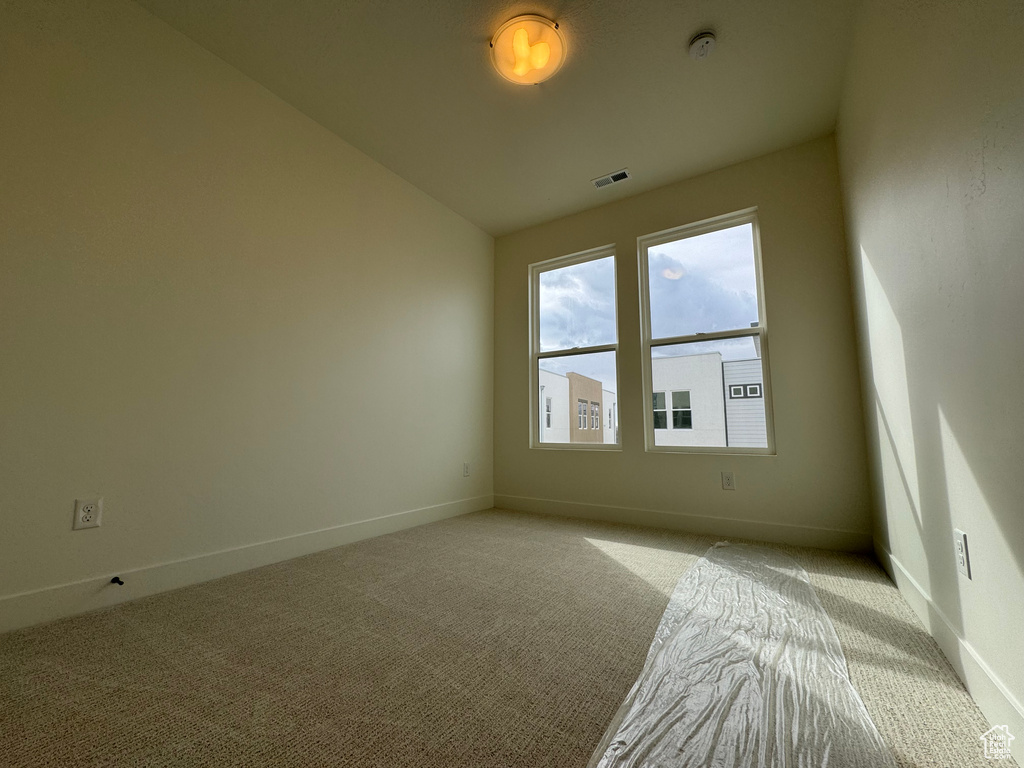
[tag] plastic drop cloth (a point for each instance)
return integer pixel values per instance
(745, 671)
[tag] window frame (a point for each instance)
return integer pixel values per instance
(703, 227)
(535, 271)
(664, 411)
(688, 409)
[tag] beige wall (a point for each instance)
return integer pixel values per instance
(931, 138)
(213, 313)
(815, 489)
(583, 388)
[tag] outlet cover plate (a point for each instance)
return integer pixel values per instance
(728, 481)
(963, 555)
(88, 514)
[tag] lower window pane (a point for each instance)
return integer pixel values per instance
(682, 420)
(712, 373)
(582, 391)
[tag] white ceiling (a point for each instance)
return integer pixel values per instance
(409, 82)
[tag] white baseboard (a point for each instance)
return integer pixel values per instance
(49, 603)
(779, 533)
(995, 700)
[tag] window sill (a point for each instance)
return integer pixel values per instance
(707, 449)
(576, 447)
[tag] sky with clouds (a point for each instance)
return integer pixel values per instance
(697, 285)
(577, 305)
(703, 284)
(577, 309)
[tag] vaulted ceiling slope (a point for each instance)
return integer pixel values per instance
(409, 82)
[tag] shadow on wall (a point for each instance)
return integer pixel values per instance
(928, 470)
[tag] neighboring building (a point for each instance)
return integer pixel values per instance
(744, 404)
(585, 404)
(554, 408)
(689, 407)
(611, 413)
(699, 400)
(575, 409)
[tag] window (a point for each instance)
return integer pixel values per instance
(660, 415)
(737, 391)
(705, 339)
(681, 414)
(573, 349)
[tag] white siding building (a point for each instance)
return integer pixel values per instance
(554, 408)
(696, 381)
(610, 416)
(744, 404)
(725, 399)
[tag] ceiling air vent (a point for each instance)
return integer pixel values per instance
(611, 178)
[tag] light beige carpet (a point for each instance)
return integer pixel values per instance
(494, 639)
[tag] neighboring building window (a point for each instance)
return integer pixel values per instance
(660, 414)
(737, 391)
(682, 417)
(573, 347)
(705, 337)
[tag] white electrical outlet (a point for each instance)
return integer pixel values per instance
(465, 469)
(963, 557)
(88, 513)
(728, 481)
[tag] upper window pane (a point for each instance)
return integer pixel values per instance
(681, 399)
(703, 283)
(577, 305)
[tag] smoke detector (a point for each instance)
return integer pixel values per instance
(702, 45)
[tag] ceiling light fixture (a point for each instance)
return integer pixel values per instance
(528, 49)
